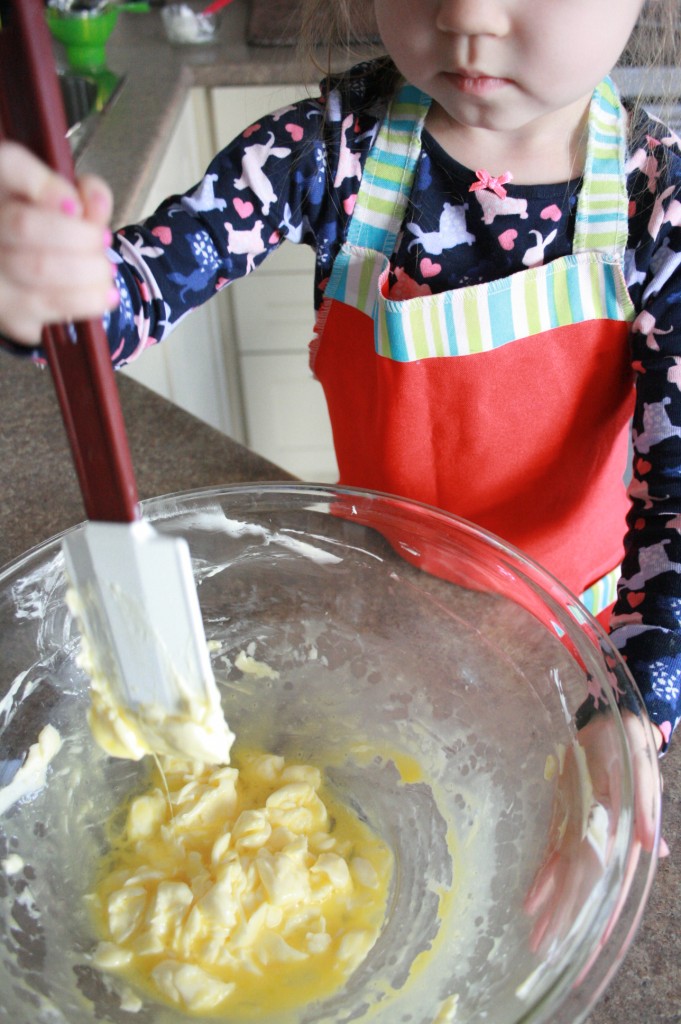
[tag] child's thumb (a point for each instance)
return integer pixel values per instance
(96, 198)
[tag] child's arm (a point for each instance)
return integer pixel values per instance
(280, 179)
(274, 182)
(53, 238)
(53, 265)
(646, 622)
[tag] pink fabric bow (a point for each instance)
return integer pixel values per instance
(487, 180)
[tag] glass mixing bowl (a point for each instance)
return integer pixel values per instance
(399, 633)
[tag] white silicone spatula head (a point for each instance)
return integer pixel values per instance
(144, 645)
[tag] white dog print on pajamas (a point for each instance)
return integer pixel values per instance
(656, 426)
(246, 243)
(494, 206)
(252, 170)
(651, 562)
(203, 199)
(451, 231)
(646, 324)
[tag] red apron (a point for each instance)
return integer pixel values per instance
(506, 403)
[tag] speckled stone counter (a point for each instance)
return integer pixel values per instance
(173, 451)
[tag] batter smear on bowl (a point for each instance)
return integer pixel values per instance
(244, 888)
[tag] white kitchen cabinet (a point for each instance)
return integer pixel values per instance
(284, 410)
(192, 367)
(240, 362)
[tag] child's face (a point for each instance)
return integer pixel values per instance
(504, 65)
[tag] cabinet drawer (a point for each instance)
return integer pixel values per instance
(273, 313)
(236, 107)
(289, 259)
(286, 415)
(190, 368)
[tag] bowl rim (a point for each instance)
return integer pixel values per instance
(583, 628)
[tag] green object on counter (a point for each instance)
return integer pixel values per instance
(84, 35)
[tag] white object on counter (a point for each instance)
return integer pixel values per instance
(185, 25)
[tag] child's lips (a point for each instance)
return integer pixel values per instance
(475, 83)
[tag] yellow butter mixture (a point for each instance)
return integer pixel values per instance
(248, 889)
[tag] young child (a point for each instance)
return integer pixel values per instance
(497, 283)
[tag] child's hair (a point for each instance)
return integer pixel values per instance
(655, 41)
(655, 44)
(337, 25)
(336, 34)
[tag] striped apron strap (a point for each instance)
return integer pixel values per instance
(603, 208)
(381, 204)
(389, 172)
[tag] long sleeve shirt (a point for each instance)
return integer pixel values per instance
(294, 176)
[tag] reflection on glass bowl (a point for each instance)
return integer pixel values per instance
(390, 627)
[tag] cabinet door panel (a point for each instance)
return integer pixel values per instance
(189, 367)
(284, 409)
(287, 419)
(273, 313)
(236, 107)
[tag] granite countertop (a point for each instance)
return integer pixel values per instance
(171, 451)
(174, 451)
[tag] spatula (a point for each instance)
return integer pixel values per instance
(135, 596)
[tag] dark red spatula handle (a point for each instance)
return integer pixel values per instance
(32, 112)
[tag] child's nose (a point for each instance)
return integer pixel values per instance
(473, 17)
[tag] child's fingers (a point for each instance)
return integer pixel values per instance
(24, 176)
(645, 781)
(96, 198)
(57, 271)
(31, 310)
(53, 267)
(53, 240)
(31, 237)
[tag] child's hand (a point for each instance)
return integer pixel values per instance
(53, 235)
(579, 848)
